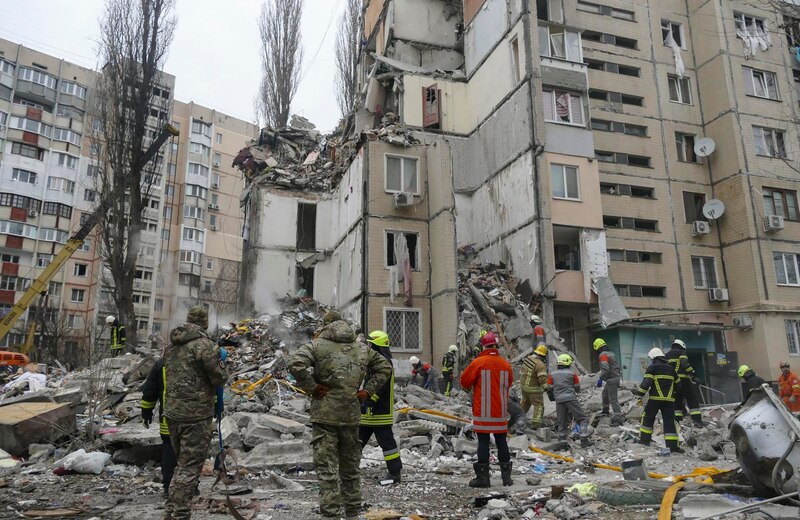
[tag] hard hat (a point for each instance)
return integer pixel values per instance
(379, 338)
(488, 340)
(680, 343)
(565, 360)
(482, 334)
(110, 319)
(655, 352)
(535, 318)
(452, 348)
(599, 342)
(426, 366)
(414, 360)
(743, 370)
(541, 350)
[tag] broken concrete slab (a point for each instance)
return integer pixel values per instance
(24, 424)
(230, 433)
(39, 396)
(277, 455)
(281, 424)
(131, 434)
(256, 434)
(704, 505)
(289, 413)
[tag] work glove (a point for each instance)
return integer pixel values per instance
(362, 395)
(320, 391)
(599, 382)
(147, 417)
(219, 403)
(696, 380)
(640, 402)
(223, 354)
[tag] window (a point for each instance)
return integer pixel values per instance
(642, 192)
(193, 212)
(199, 127)
(169, 190)
(207, 286)
(637, 224)
(23, 176)
(565, 182)
(610, 39)
(35, 76)
(393, 247)
(793, 336)
(6, 67)
(562, 107)
(67, 161)
(643, 257)
(560, 43)
(199, 149)
(641, 291)
(74, 321)
(68, 136)
(780, 202)
(212, 221)
(704, 270)
(672, 30)
(589, 7)
(760, 83)
(26, 150)
(193, 234)
(605, 66)
(191, 257)
(69, 112)
(54, 208)
(403, 326)
(622, 158)
(679, 90)
(78, 295)
(193, 190)
(616, 97)
(168, 212)
(622, 128)
(165, 234)
(60, 184)
(693, 206)
(515, 70)
(86, 246)
(191, 280)
(95, 148)
(214, 199)
(29, 125)
(209, 264)
(11, 259)
(217, 162)
(17, 229)
(14, 283)
(43, 260)
(79, 269)
(216, 179)
(218, 139)
(198, 169)
(158, 305)
(53, 235)
(769, 142)
(685, 147)
(401, 175)
(786, 268)
(143, 274)
(748, 25)
(73, 89)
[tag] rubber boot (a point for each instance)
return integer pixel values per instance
(585, 442)
(395, 477)
(617, 421)
(505, 472)
(676, 449)
(481, 479)
(643, 443)
(698, 423)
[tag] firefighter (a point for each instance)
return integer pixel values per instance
(538, 330)
(659, 383)
(448, 368)
(611, 375)
(753, 381)
(152, 393)
(534, 384)
(117, 335)
(490, 377)
(789, 386)
(430, 378)
(687, 378)
(377, 413)
(564, 387)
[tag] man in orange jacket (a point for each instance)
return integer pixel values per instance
(790, 387)
(489, 377)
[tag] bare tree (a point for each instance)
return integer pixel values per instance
(348, 43)
(281, 59)
(134, 39)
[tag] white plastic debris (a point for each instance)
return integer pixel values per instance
(82, 462)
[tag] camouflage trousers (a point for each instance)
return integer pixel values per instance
(190, 443)
(337, 455)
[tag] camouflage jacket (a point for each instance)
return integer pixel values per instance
(335, 359)
(193, 372)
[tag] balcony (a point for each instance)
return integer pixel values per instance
(560, 47)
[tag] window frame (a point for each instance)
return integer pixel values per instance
(680, 40)
(786, 195)
(30, 177)
(793, 337)
(778, 140)
(750, 74)
(401, 341)
(566, 195)
(569, 49)
(572, 98)
(416, 266)
(77, 295)
(685, 152)
(679, 89)
(402, 159)
(794, 263)
(703, 264)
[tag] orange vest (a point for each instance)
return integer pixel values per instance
(790, 386)
(490, 377)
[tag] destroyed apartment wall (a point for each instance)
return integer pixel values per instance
(424, 33)
(488, 26)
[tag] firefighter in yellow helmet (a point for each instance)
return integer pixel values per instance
(753, 381)
(533, 383)
(448, 368)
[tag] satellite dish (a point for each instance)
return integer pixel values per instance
(713, 209)
(704, 147)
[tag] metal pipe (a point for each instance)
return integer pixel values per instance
(748, 506)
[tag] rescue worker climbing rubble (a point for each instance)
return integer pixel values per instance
(753, 381)
(534, 384)
(430, 377)
(118, 335)
(377, 413)
(789, 386)
(331, 370)
(685, 392)
(611, 376)
(564, 387)
(448, 368)
(152, 393)
(659, 384)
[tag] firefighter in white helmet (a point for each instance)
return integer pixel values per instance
(117, 335)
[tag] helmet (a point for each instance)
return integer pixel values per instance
(655, 352)
(535, 318)
(679, 343)
(598, 343)
(110, 319)
(482, 334)
(378, 338)
(488, 340)
(565, 360)
(414, 360)
(784, 364)
(743, 370)
(541, 350)
(452, 348)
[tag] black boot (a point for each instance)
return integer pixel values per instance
(394, 477)
(643, 442)
(585, 442)
(698, 423)
(481, 479)
(505, 472)
(676, 449)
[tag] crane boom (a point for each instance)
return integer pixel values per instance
(40, 285)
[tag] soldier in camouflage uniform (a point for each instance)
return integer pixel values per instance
(193, 370)
(330, 370)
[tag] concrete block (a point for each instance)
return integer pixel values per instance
(230, 433)
(288, 412)
(40, 396)
(256, 434)
(281, 424)
(518, 442)
(24, 424)
(277, 455)
(418, 440)
(437, 419)
(131, 434)
(300, 405)
(243, 419)
(73, 396)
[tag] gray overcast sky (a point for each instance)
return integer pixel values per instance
(214, 56)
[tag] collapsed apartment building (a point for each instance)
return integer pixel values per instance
(497, 151)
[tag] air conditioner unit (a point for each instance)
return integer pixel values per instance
(718, 295)
(32, 213)
(215, 186)
(743, 321)
(213, 227)
(773, 223)
(213, 206)
(700, 227)
(403, 199)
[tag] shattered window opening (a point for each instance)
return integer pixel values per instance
(560, 43)
(704, 271)
(26, 150)
(567, 248)
(640, 257)
(693, 206)
(780, 202)
(565, 183)
(675, 29)
(685, 147)
(412, 239)
(401, 175)
(769, 142)
(306, 227)
(640, 291)
(743, 22)
(305, 280)
(787, 271)
(200, 127)
(679, 90)
(404, 328)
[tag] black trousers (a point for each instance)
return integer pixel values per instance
(168, 462)
(447, 375)
(651, 409)
(686, 396)
(500, 440)
(385, 438)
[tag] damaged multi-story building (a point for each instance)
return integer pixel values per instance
(630, 159)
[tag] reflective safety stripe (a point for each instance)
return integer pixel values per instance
(695, 411)
(670, 437)
(678, 414)
(665, 399)
(645, 430)
(491, 419)
(486, 391)
(391, 457)
(498, 428)
(148, 405)
(503, 391)
(377, 420)
(163, 427)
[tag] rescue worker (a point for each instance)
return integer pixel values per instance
(489, 377)
(659, 383)
(448, 368)
(331, 370)
(751, 379)
(564, 387)
(152, 393)
(611, 375)
(517, 419)
(685, 392)
(194, 367)
(377, 413)
(538, 330)
(789, 386)
(534, 384)
(430, 378)
(118, 336)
